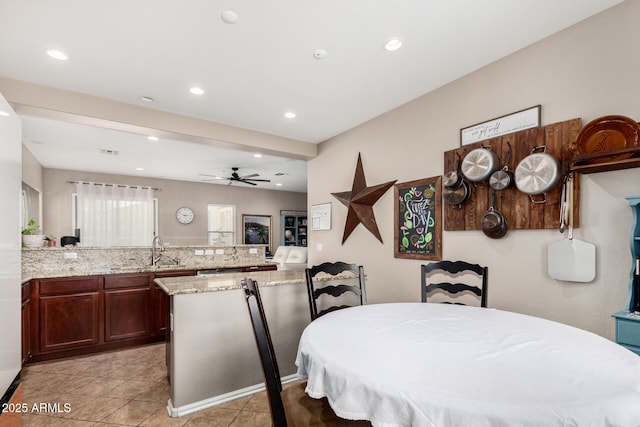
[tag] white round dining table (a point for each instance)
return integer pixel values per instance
(422, 364)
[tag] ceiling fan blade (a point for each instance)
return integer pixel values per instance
(212, 176)
(247, 182)
(260, 180)
(249, 176)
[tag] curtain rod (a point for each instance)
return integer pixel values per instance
(114, 185)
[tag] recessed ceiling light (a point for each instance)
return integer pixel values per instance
(319, 53)
(257, 155)
(393, 44)
(279, 184)
(147, 99)
(229, 16)
(152, 138)
(290, 115)
(139, 169)
(196, 90)
(56, 54)
(4, 113)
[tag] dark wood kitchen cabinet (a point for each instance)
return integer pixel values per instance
(70, 316)
(26, 321)
(127, 306)
(68, 313)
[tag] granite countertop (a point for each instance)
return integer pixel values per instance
(227, 281)
(99, 270)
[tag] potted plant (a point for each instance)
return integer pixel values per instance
(30, 235)
(51, 241)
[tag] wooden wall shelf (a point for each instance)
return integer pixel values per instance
(604, 161)
(515, 206)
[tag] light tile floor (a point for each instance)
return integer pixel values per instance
(122, 388)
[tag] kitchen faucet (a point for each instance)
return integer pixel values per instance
(155, 256)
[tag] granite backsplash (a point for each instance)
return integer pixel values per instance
(70, 261)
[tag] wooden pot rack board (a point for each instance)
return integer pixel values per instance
(515, 206)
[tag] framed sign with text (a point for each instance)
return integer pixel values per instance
(418, 219)
(520, 120)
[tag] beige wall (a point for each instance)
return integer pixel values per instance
(172, 195)
(587, 71)
(31, 170)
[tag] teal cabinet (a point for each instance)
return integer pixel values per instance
(628, 321)
(294, 230)
(628, 330)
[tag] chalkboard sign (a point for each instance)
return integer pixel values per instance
(418, 219)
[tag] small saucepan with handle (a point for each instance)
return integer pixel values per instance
(494, 225)
(453, 179)
(455, 190)
(537, 173)
(502, 178)
(456, 196)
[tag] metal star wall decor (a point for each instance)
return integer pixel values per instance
(360, 201)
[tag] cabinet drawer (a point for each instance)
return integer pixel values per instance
(69, 285)
(628, 332)
(119, 281)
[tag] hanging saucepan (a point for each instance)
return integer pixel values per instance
(537, 173)
(494, 225)
(456, 196)
(453, 179)
(502, 178)
(479, 164)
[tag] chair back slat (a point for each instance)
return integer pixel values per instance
(320, 291)
(454, 289)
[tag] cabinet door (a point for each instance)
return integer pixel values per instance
(26, 320)
(161, 302)
(127, 306)
(69, 321)
(127, 313)
(161, 311)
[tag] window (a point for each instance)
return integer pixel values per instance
(115, 215)
(222, 224)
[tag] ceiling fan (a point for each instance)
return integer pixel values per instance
(246, 179)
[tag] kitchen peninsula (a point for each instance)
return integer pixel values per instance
(211, 353)
(80, 300)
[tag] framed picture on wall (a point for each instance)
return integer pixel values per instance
(418, 219)
(256, 230)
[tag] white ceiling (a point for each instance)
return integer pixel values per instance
(255, 70)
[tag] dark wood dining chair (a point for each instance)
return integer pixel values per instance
(327, 296)
(290, 406)
(453, 281)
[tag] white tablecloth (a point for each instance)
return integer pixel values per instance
(417, 364)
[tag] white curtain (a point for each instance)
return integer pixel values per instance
(115, 215)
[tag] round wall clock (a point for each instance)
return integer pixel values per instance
(184, 215)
